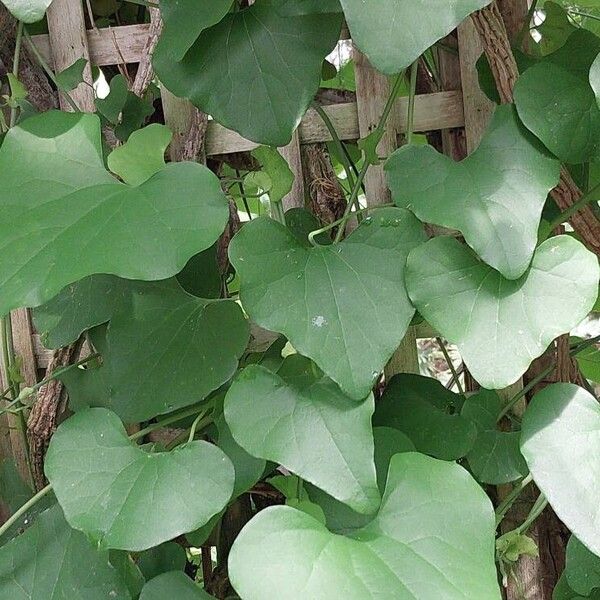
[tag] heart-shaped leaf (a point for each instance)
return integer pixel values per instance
(394, 33)
(340, 517)
(560, 440)
(169, 556)
(433, 538)
(556, 102)
(142, 155)
(129, 499)
(301, 420)
(51, 561)
(489, 197)
(345, 306)
(582, 568)
(174, 584)
(185, 20)
(56, 195)
(495, 457)
(192, 341)
(256, 71)
(502, 325)
(28, 11)
(429, 414)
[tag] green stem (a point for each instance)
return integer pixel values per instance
(378, 134)
(313, 234)
(15, 71)
(49, 71)
(564, 216)
(349, 167)
(23, 510)
(539, 378)
(583, 14)
(195, 424)
(410, 127)
(277, 212)
(526, 25)
(536, 510)
(455, 375)
(240, 183)
(188, 412)
(507, 503)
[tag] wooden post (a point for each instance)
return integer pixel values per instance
(372, 93)
(68, 42)
(293, 156)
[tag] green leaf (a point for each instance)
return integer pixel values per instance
(344, 306)
(28, 11)
(495, 457)
(432, 538)
(588, 361)
(308, 7)
(14, 492)
(72, 76)
(81, 306)
(142, 156)
(556, 28)
(556, 102)
(56, 196)
(128, 499)
(582, 569)
(512, 545)
(489, 197)
(112, 106)
(394, 33)
(256, 71)
(300, 419)
(562, 591)
(429, 414)
(200, 276)
(169, 556)
(51, 561)
(340, 517)
(191, 342)
(560, 439)
(499, 325)
(278, 170)
(17, 90)
(185, 20)
(175, 585)
(128, 571)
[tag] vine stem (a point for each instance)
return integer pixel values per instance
(507, 503)
(190, 412)
(313, 234)
(378, 134)
(564, 216)
(349, 167)
(15, 70)
(23, 510)
(521, 393)
(49, 71)
(455, 376)
(536, 510)
(414, 69)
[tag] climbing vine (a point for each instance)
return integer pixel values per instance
(230, 392)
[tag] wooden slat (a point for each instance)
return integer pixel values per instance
(441, 110)
(109, 46)
(291, 153)
(67, 44)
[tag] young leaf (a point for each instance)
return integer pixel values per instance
(502, 325)
(556, 102)
(72, 76)
(142, 155)
(259, 70)
(343, 306)
(429, 414)
(56, 195)
(301, 420)
(51, 561)
(129, 499)
(432, 538)
(489, 197)
(174, 585)
(28, 11)
(560, 440)
(495, 457)
(394, 33)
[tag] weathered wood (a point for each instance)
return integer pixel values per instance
(441, 110)
(145, 72)
(68, 43)
(478, 108)
(291, 153)
(108, 46)
(22, 331)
